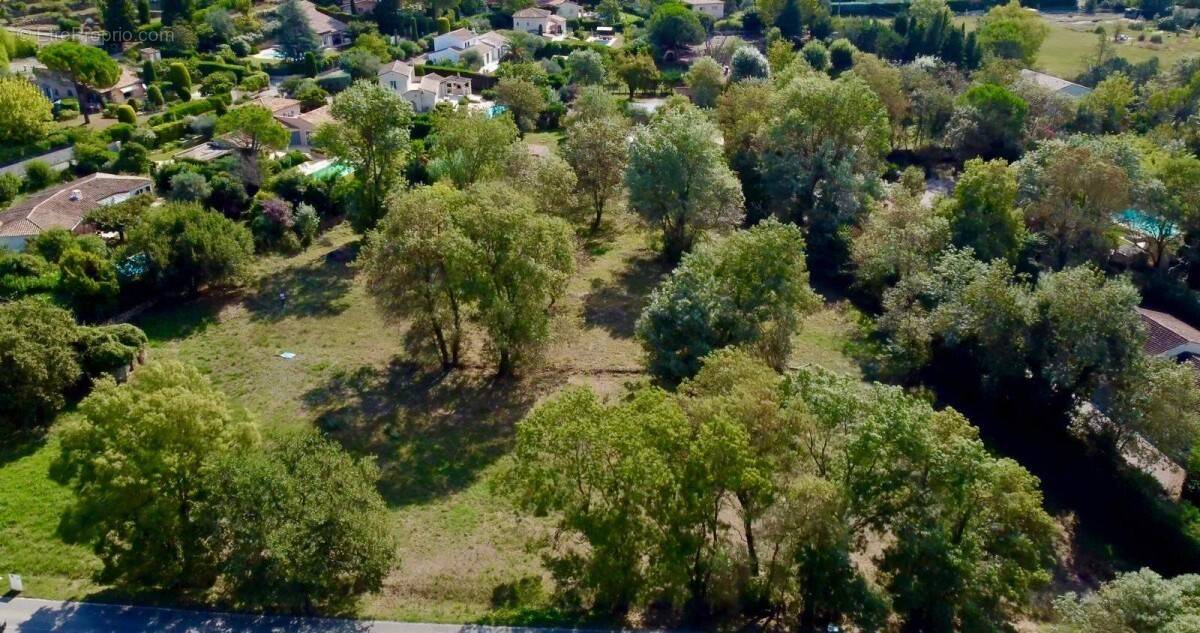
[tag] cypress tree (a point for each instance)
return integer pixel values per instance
(790, 20)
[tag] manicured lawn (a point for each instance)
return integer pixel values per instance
(439, 440)
(1071, 42)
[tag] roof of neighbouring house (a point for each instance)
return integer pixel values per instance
(397, 67)
(59, 208)
(307, 121)
(1165, 332)
(320, 22)
(531, 12)
(1049, 82)
(460, 32)
(276, 103)
(494, 38)
(720, 2)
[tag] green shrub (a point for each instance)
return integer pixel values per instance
(38, 176)
(125, 114)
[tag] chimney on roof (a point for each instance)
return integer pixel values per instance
(76, 195)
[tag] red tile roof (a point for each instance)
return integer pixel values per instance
(55, 209)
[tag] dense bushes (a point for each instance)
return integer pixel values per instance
(47, 357)
(295, 526)
(188, 247)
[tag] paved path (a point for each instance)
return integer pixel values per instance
(28, 615)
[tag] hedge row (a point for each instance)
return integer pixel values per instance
(207, 68)
(167, 132)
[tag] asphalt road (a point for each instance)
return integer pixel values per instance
(28, 615)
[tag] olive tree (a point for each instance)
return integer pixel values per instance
(750, 289)
(678, 179)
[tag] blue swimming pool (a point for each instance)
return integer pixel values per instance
(1143, 222)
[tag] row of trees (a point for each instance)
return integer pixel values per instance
(749, 492)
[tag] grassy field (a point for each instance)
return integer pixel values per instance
(1072, 41)
(439, 440)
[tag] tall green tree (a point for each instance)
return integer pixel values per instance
(749, 289)
(597, 151)
(678, 179)
(418, 266)
(822, 154)
(37, 354)
(525, 101)
(295, 36)
(254, 129)
(370, 133)
(135, 458)
(89, 68)
(25, 113)
(521, 265)
(705, 79)
(470, 146)
(188, 247)
(298, 527)
(673, 25)
(1009, 31)
(983, 214)
(173, 10)
(1070, 190)
(119, 22)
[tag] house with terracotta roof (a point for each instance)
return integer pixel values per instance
(65, 206)
(540, 22)
(1168, 337)
(58, 86)
(423, 92)
(331, 31)
(302, 126)
(279, 106)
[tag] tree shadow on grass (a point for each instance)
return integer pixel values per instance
(19, 443)
(432, 432)
(616, 305)
(174, 319)
(317, 289)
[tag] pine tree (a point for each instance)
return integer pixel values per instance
(952, 48)
(972, 55)
(118, 22)
(295, 35)
(143, 9)
(387, 14)
(149, 75)
(790, 20)
(172, 10)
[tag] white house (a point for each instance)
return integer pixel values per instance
(65, 206)
(712, 8)
(540, 22)
(423, 92)
(450, 47)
